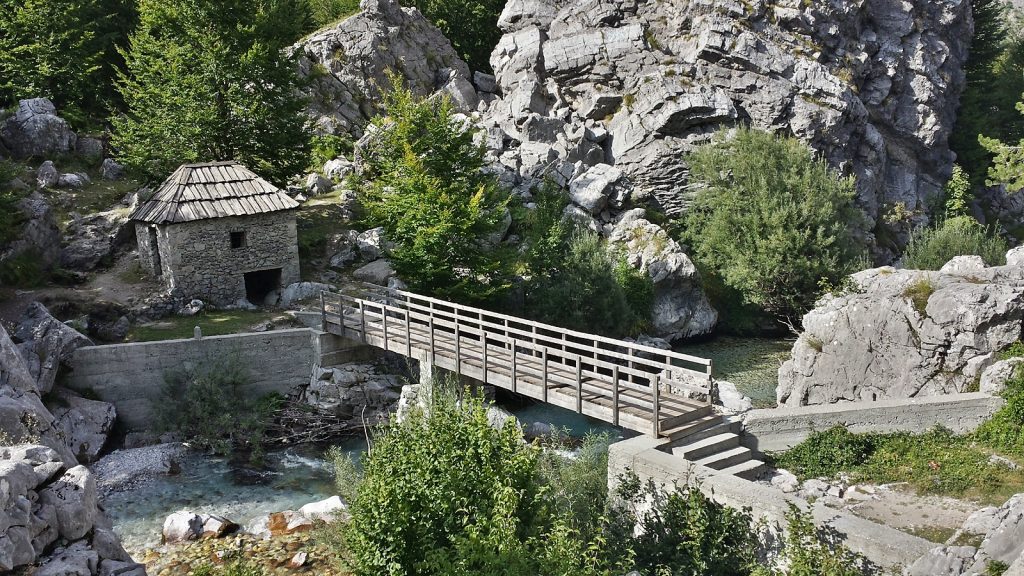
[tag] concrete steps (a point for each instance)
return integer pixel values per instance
(714, 442)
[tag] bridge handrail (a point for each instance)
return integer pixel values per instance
(636, 355)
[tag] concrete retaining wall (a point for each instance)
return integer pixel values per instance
(884, 546)
(132, 376)
(781, 428)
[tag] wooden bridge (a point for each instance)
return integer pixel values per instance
(626, 384)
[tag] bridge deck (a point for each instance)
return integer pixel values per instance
(626, 384)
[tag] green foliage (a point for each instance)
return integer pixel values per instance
(210, 80)
(208, 407)
(919, 293)
(327, 12)
(930, 248)
(828, 453)
(986, 106)
(327, 147)
(578, 486)
(809, 551)
(426, 188)
(471, 25)
(935, 462)
(1008, 162)
(681, 532)
(582, 290)
(445, 493)
(23, 271)
(574, 280)
(63, 50)
(1005, 430)
(996, 568)
(771, 219)
(958, 193)
(10, 216)
(1015, 350)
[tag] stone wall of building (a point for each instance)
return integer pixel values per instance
(199, 262)
(147, 249)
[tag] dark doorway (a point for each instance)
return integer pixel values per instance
(154, 249)
(261, 283)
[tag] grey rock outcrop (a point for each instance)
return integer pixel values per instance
(1001, 532)
(903, 334)
(354, 391)
(85, 424)
(681, 309)
(348, 63)
(45, 343)
(302, 291)
(36, 131)
(124, 469)
(43, 503)
(378, 272)
(93, 240)
(995, 377)
(39, 236)
(873, 87)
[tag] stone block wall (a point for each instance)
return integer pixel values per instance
(132, 376)
(199, 262)
(777, 429)
(148, 250)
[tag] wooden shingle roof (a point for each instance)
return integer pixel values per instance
(211, 190)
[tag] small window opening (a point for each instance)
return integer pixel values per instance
(238, 240)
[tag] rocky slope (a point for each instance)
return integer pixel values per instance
(907, 333)
(873, 86)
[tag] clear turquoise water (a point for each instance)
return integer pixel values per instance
(295, 476)
(752, 364)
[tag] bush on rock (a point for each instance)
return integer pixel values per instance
(772, 220)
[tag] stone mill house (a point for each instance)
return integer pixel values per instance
(220, 233)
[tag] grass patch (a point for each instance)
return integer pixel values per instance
(935, 462)
(318, 219)
(217, 323)
(919, 292)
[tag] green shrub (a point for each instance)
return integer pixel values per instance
(1015, 350)
(1005, 429)
(919, 293)
(578, 486)
(470, 25)
(327, 147)
(327, 12)
(426, 188)
(582, 290)
(934, 462)
(680, 532)
(438, 483)
(208, 407)
(575, 280)
(771, 220)
(828, 453)
(931, 248)
(10, 217)
(23, 271)
(809, 551)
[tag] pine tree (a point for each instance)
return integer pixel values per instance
(212, 80)
(1008, 164)
(63, 50)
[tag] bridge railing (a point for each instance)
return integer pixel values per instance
(408, 321)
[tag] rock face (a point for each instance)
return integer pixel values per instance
(94, 239)
(348, 63)
(354, 391)
(23, 417)
(905, 333)
(45, 343)
(1001, 531)
(872, 86)
(35, 131)
(85, 424)
(43, 503)
(39, 237)
(681, 309)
